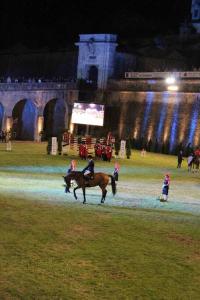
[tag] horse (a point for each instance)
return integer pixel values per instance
(99, 179)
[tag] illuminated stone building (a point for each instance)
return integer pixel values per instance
(38, 91)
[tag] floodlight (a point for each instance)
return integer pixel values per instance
(170, 80)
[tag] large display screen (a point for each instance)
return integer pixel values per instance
(88, 113)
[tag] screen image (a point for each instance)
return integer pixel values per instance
(88, 113)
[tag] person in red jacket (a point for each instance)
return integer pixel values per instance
(197, 152)
(97, 148)
(83, 153)
(103, 153)
(108, 152)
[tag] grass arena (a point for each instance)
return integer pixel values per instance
(131, 247)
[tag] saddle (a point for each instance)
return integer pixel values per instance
(88, 177)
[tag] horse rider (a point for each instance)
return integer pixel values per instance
(88, 171)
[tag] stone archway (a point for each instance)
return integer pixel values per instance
(93, 75)
(54, 118)
(1, 115)
(24, 120)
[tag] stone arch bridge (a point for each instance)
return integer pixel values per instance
(30, 108)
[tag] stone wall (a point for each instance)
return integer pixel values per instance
(160, 117)
(24, 105)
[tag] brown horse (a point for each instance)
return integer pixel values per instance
(99, 179)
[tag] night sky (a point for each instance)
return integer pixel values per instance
(56, 24)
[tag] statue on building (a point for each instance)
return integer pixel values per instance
(8, 80)
(91, 46)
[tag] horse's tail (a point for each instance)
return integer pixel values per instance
(113, 184)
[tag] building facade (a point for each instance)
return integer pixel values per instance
(195, 14)
(137, 105)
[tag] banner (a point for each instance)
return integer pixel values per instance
(54, 145)
(122, 149)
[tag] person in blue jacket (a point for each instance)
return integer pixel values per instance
(165, 188)
(88, 171)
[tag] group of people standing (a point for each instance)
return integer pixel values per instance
(103, 152)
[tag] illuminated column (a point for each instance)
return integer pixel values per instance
(8, 123)
(39, 128)
(71, 128)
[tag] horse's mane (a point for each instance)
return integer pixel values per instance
(76, 174)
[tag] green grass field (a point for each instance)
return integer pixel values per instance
(132, 247)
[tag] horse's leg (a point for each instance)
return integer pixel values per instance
(104, 192)
(75, 192)
(67, 189)
(104, 195)
(84, 201)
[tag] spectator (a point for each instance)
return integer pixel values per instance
(72, 166)
(165, 188)
(180, 159)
